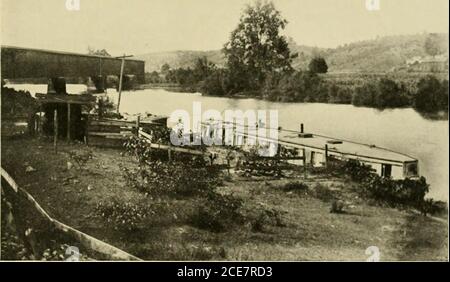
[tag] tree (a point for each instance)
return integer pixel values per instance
(152, 77)
(300, 86)
(216, 83)
(203, 68)
(432, 95)
(365, 95)
(98, 52)
(384, 93)
(165, 69)
(256, 47)
(318, 65)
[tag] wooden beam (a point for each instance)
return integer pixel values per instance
(138, 124)
(111, 134)
(120, 82)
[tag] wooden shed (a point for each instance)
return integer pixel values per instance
(70, 120)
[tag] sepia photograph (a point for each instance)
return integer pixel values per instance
(224, 131)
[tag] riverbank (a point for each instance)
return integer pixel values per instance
(299, 226)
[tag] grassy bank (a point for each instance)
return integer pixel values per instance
(282, 221)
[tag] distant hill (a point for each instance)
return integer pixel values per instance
(179, 59)
(378, 55)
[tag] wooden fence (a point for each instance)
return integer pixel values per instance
(113, 132)
(105, 250)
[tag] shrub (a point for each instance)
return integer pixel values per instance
(406, 192)
(267, 217)
(337, 206)
(323, 193)
(105, 108)
(297, 186)
(173, 179)
(127, 216)
(218, 213)
(356, 170)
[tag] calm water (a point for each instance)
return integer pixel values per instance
(403, 130)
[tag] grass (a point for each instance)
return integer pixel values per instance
(283, 221)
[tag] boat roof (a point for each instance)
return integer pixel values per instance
(336, 147)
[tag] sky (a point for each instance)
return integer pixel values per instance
(143, 26)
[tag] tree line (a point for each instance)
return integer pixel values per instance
(259, 64)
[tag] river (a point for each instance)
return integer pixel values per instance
(402, 130)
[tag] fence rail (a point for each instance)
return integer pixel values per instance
(84, 239)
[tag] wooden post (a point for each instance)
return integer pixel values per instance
(68, 121)
(326, 155)
(86, 131)
(304, 162)
(169, 153)
(39, 122)
(120, 82)
(55, 130)
(301, 128)
(138, 124)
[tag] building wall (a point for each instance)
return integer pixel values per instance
(20, 63)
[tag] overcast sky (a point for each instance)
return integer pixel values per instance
(142, 26)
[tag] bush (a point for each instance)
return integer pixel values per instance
(323, 193)
(297, 186)
(396, 193)
(356, 170)
(17, 103)
(173, 179)
(337, 206)
(267, 217)
(105, 108)
(127, 216)
(218, 213)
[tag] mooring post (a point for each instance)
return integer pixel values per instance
(68, 121)
(55, 130)
(326, 154)
(301, 128)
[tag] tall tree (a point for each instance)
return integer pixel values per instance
(256, 47)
